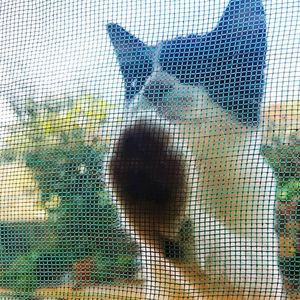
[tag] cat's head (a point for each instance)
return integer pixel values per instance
(193, 77)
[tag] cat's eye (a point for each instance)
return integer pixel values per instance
(134, 83)
(135, 76)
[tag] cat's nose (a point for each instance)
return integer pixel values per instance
(154, 91)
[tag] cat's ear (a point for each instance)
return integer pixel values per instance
(127, 47)
(242, 31)
(243, 17)
(134, 56)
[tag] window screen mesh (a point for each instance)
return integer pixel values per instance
(149, 149)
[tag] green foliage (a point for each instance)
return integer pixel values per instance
(284, 156)
(288, 220)
(66, 161)
(285, 160)
(67, 172)
(289, 191)
(117, 265)
(65, 124)
(39, 267)
(17, 238)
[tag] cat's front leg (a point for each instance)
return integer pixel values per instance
(164, 280)
(250, 264)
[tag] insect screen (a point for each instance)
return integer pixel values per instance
(149, 149)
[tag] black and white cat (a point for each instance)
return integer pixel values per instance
(185, 165)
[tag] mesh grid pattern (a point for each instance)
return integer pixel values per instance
(149, 150)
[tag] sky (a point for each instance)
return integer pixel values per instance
(59, 48)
